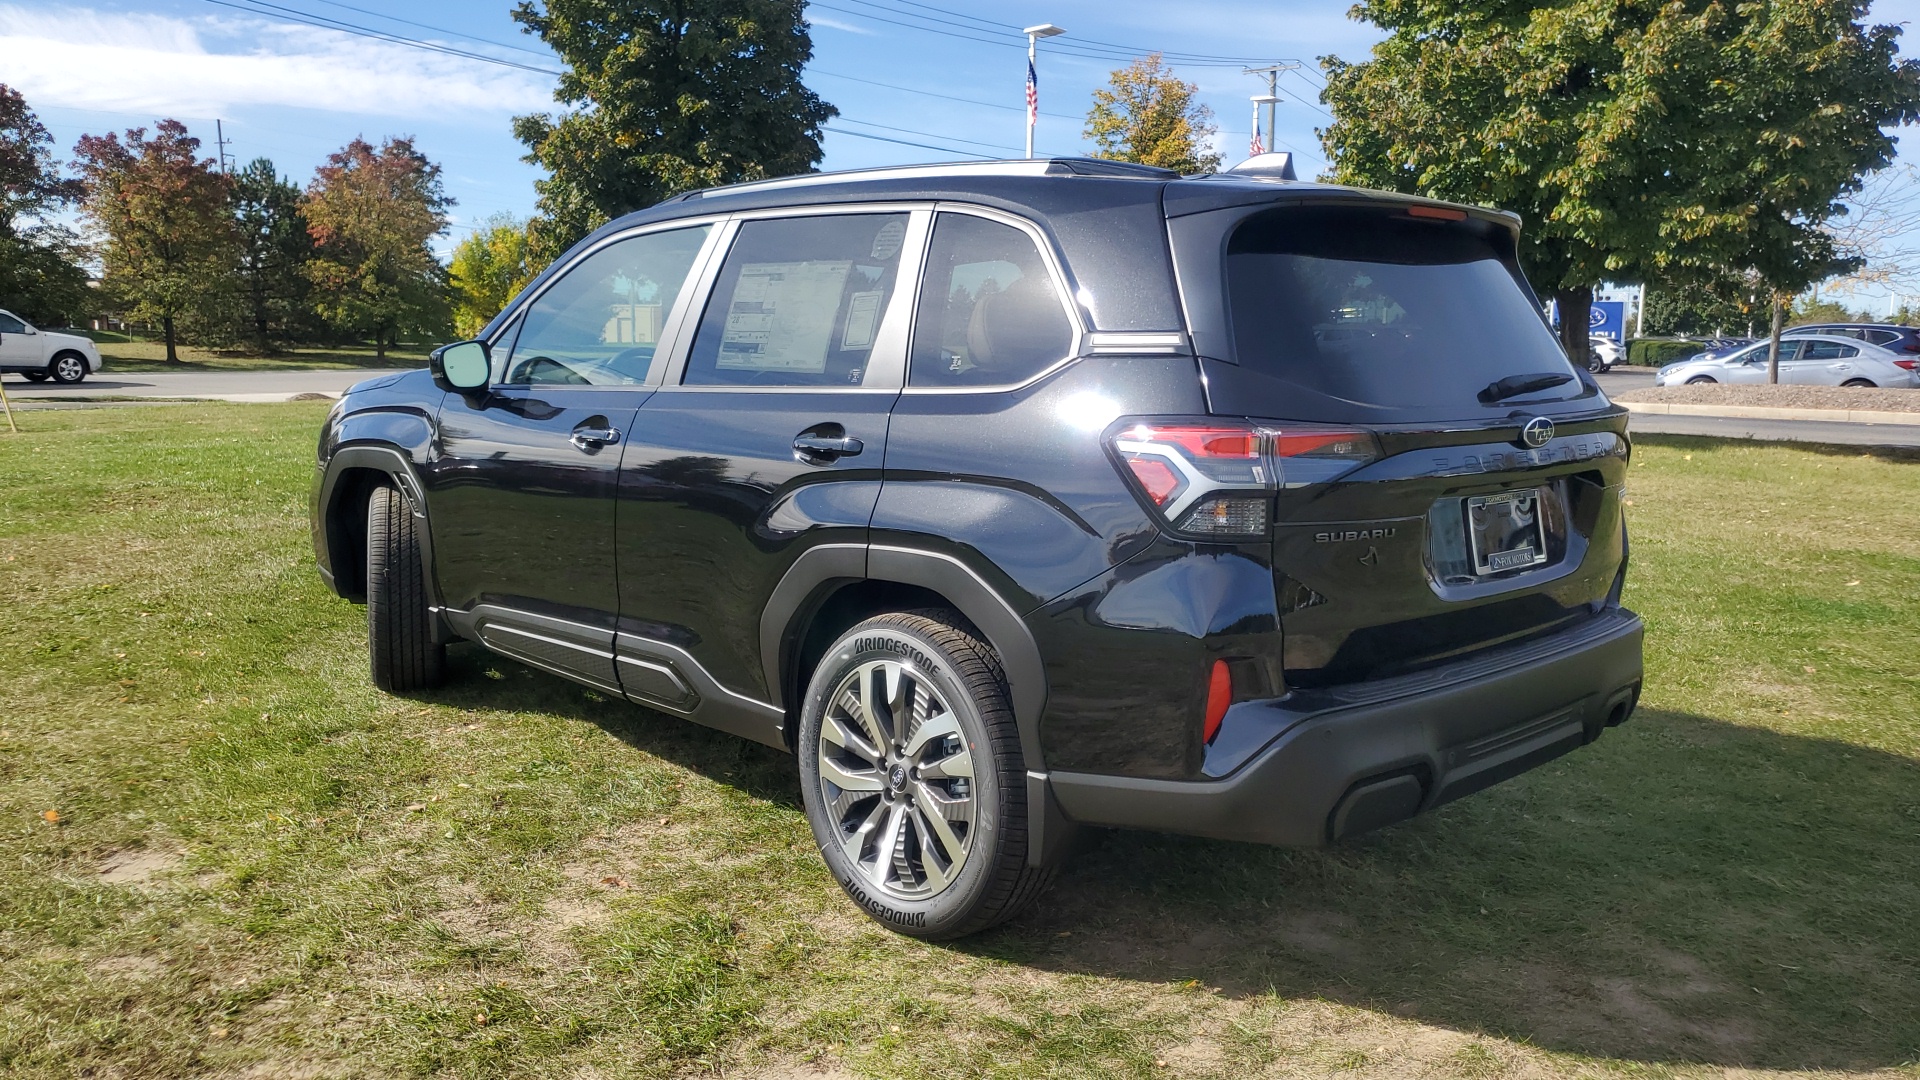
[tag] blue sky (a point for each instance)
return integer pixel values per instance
(294, 92)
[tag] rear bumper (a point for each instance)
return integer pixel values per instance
(1366, 756)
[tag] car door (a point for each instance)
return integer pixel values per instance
(766, 441)
(1751, 365)
(18, 348)
(1820, 363)
(521, 492)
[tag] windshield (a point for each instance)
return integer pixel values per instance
(1362, 307)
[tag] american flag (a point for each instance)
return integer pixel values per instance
(1254, 148)
(1033, 96)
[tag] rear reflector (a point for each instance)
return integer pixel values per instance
(1219, 696)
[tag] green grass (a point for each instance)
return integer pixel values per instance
(239, 882)
(144, 355)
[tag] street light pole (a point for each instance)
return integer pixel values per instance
(1034, 34)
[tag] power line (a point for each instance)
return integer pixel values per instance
(930, 93)
(904, 142)
(1009, 36)
(254, 7)
(439, 29)
(930, 134)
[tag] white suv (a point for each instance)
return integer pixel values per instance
(41, 355)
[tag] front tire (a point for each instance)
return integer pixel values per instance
(911, 774)
(68, 368)
(1701, 380)
(400, 645)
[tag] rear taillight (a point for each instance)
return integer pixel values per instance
(1908, 364)
(1216, 479)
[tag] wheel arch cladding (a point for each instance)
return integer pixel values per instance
(883, 574)
(352, 474)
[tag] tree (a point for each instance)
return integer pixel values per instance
(1693, 308)
(665, 96)
(488, 269)
(40, 276)
(275, 247)
(372, 214)
(1686, 141)
(1809, 309)
(167, 240)
(1146, 114)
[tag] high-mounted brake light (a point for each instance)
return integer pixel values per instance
(1216, 479)
(1438, 213)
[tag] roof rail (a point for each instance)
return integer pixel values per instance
(1061, 166)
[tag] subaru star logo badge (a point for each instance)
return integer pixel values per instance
(1538, 432)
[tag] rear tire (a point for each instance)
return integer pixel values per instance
(400, 645)
(922, 812)
(36, 376)
(1699, 380)
(1860, 382)
(67, 368)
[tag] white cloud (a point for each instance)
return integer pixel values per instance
(824, 20)
(199, 67)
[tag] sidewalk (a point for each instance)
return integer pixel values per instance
(1759, 412)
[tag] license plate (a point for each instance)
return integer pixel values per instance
(1506, 531)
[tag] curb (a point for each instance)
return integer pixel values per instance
(1758, 412)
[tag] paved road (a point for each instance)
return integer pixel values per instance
(226, 385)
(1740, 427)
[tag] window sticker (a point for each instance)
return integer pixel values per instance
(886, 242)
(781, 317)
(863, 313)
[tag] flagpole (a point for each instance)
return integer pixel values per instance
(1034, 34)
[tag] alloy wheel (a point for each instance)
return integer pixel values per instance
(896, 776)
(69, 369)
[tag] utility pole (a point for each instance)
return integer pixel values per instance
(220, 139)
(1272, 72)
(1034, 34)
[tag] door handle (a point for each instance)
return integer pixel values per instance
(826, 447)
(591, 439)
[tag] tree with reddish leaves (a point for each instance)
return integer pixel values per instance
(372, 214)
(40, 274)
(162, 219)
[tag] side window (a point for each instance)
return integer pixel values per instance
(989, 314)
(598, 325)
(799, 302)
(1789, 350)
(1827, 350)
(1881, 337)
(11, 325)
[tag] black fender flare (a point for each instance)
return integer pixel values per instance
(396, 466)
(1005, 630)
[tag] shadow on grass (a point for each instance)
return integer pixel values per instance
(1684, 891)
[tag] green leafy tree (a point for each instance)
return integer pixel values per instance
(162, 216)
(372, 214)
(488, 269)
(664, 96)
(1686, 141)
(1694, 308)
(275, 247)
(40, 274)
(1147, 114)
(1809, 309)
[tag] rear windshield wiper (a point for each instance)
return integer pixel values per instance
(1515, 385)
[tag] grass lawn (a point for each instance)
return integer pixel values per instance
(262, 867)
(130, 356)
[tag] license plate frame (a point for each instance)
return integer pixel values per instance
(1506, 531)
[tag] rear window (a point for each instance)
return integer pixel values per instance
(1359, 307)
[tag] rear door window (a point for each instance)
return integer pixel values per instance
(989, 313)
(799, 302)
(1362, 308)
(1827, 350)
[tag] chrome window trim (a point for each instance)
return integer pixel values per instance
(894, 334)
(670, 326)
(1064, 292)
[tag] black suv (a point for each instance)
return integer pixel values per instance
(1017, 496)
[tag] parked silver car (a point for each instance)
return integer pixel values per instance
(1805, 360)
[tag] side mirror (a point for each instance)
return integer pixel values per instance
(463, 366)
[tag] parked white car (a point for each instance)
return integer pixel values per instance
(41, 354)
(1805, 360)
(1604, 352)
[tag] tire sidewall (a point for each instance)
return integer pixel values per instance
(53, 368)
(955, 904)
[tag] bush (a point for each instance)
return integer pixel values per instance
(1653, 352)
